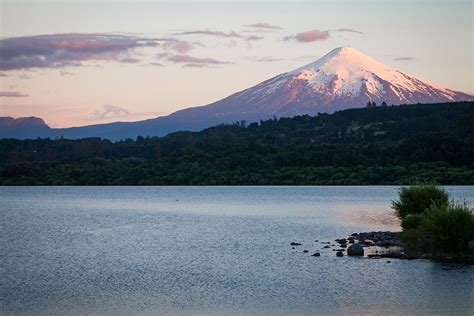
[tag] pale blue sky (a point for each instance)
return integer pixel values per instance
(437, 37)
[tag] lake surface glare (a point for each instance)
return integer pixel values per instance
(211, 250)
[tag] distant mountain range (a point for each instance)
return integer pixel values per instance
(343, 78)
(24, 127)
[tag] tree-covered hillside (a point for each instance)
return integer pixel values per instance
(381, 145)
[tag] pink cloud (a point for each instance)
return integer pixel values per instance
(13, 94)
(309, 36)
(179, 46)
(71, 49)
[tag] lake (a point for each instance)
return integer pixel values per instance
(211, 250)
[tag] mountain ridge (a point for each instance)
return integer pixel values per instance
(343, 78)
(382, 145)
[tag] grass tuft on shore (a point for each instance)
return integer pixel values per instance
(449, 228)
(431, 223)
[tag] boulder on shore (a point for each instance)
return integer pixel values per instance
(355, 250)
(339, 254)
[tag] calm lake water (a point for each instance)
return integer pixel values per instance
(211, 250)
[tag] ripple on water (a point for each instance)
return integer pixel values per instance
(216, 250)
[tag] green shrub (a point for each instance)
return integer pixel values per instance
(417, 199)
(411, 235)
(449, 227)
(412, 221)
(415, 241)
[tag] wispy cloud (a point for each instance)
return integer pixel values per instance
(180, 46)
(264, 26)
(258, 31)
(190, 61)
(24, 76)
(156, 64)
(110, 111)
(13, 94)
(263, 59)
(308, 36)
(254, 38)
(163, 55)
(230, 34)
(196, 60)
(212, 33)
(196, 65)
(129, 60)
(65, 73)
(72, 49)
(348, 30)
(317, 35)
(404, 59)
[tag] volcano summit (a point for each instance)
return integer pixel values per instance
(344, 78)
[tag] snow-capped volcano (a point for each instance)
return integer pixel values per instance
(348, 73)
(343, 78)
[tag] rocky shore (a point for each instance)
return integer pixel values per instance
(367, 244)
(376, 245)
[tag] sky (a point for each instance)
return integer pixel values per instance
(77, 63)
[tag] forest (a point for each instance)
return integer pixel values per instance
(428, 143)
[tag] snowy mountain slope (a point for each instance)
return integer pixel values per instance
(343, 78)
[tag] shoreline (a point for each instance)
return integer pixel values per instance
(383, 245)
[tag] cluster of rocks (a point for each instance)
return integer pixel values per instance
(381, 239)
(316, 254)
(339, 246)
(376, 245)
(379, 245)
(371, 244)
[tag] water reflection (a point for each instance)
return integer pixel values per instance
(368, 213)
(202, 250)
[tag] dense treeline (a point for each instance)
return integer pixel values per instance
(382, 145)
